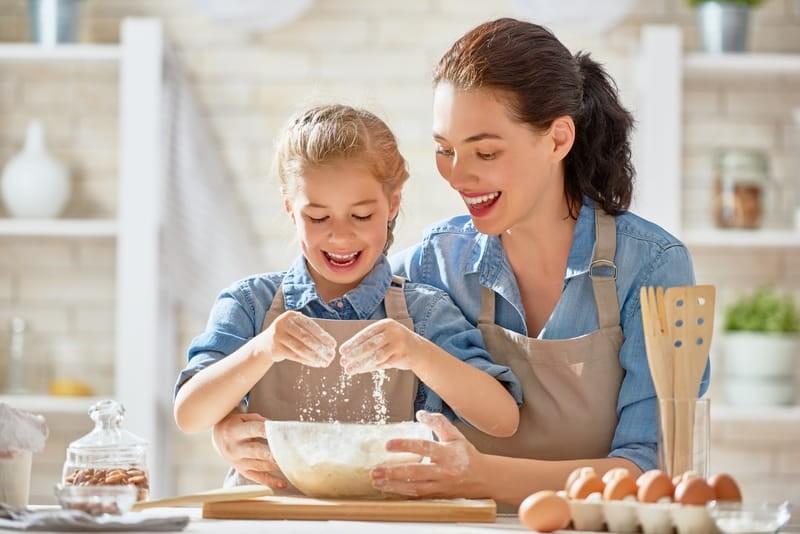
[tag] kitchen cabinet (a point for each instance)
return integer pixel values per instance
(178, 234)
(663, 72)
(667, 188)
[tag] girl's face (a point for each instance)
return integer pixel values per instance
(341, 213)
(505, 172)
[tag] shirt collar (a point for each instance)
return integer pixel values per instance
(489, 249)
(299, 289)
(583, 240)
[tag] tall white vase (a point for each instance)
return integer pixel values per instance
(34, 184)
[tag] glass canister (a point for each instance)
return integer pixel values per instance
(108, 455)
(740, 188)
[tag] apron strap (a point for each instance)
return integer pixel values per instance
(487, 306)
(395, 300)
(275, 309)
(603, 270)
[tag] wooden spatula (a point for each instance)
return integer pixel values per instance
(658, 345)
(215, 495)
(690, 314)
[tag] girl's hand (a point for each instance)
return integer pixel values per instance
(293, 336)
(382, 345)
(455, 468)
(239, 439)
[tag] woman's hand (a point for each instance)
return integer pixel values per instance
(239, 439)
(455, 470)
(382, 345)
(293, 336)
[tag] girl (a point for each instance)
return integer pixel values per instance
(272, 338)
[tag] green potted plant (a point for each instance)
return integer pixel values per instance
(760, 345)
(722, 24)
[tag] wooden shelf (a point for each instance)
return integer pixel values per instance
(68, 52)
(50, 404)
(102, 228)
(741, 238)
(722, 66)
(724, 412)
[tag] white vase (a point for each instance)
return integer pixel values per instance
(34, 184)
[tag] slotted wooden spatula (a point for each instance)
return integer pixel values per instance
(690, 315)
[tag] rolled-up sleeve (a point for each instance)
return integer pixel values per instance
(438, 319)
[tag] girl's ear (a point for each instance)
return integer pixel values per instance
(562, 132)
(287, 207)
(394, 203)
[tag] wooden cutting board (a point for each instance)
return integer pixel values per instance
(292, 507)
(217, 494)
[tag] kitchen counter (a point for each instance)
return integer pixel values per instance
(504, 523)
(197, 524)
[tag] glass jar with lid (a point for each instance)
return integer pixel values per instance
(740, 188)
(108, 455)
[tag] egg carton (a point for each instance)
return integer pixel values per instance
(633, 516)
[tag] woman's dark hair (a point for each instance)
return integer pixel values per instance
(538, 79)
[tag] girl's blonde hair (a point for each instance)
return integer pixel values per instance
(330, 133)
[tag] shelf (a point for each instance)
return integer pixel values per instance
(49, 404)
(67, 52)
(724, 412)
(58, 227)
(741, 238)
(716, 66)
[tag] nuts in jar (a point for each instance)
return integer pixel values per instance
(88, 476)
(108, 456)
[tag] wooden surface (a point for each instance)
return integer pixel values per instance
(291, 507)
(219, 494)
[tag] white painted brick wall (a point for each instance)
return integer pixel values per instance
(375, 54)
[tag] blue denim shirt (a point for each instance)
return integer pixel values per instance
(238, 313)
(455, 257)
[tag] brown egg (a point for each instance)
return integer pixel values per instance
(575, 474)
(693, 490)
(725, 488)
(619, 488)
(544, 511)
(615, 472)
(585, 485)
(687, 474)
(654, 485)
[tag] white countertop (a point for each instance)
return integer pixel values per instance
(505, 523)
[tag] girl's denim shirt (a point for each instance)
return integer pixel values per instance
(455, 257)
(238, 313)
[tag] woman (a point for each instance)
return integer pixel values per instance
(548, 264)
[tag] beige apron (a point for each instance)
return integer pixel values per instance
(290, 391)
(570, 386)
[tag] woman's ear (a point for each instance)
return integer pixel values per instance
(562, 132)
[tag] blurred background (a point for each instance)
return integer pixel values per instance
(150, 126)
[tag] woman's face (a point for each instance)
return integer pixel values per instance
(341, 212)
(504, 171)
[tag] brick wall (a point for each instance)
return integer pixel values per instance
(375, 54)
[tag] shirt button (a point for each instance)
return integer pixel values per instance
(340, 304)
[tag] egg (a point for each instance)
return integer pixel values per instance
(725, 488)
(619, 488)
(585, 485)
(577, 473)
(615, 472)
(653, 486)
(544, 511)
(693, 490)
